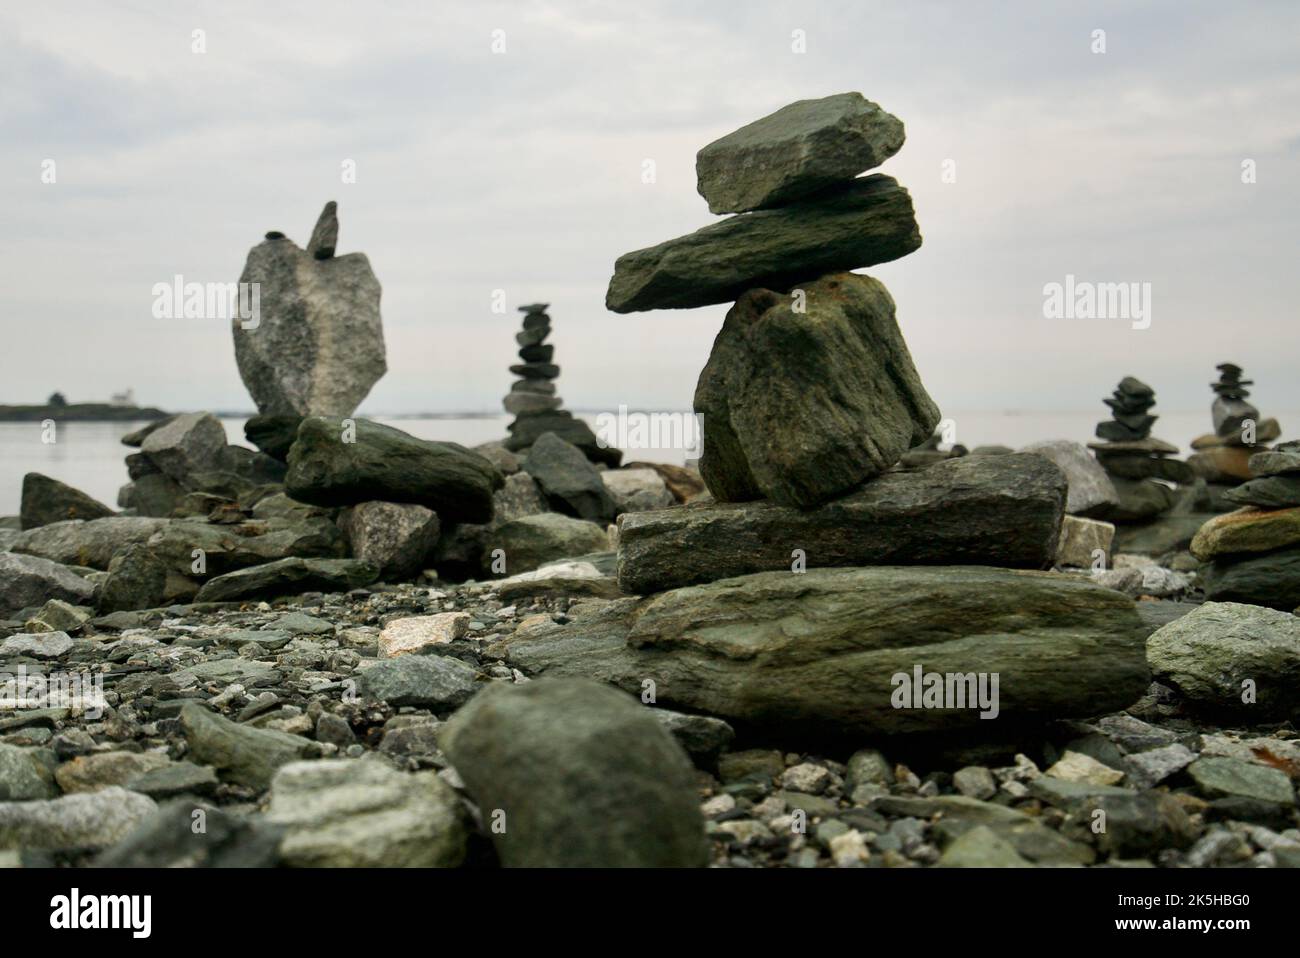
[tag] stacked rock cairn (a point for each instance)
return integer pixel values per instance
(809, 401)
(1139, 465)
(810, 389)
(532, 397)
(534, 391)
(1222, 457)
(1251, 554)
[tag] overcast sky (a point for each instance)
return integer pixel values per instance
(522, 171)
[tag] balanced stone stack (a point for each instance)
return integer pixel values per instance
(809, 390)
(1253, 554)
(1230, 411)
(1139, 466)
(810, 398)
(532, 397)
(1223, 457)
(534, 391)
(761, 614)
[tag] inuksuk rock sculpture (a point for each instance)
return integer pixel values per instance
(1223, 456)
(810, 398)
(1139, 466)
(532, 397)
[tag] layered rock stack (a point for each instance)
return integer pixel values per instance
(1253, 554)
(1230, 411)
(532, 397)
(1139, 466)
(809, 390)
(1222, 458)
(809, 401)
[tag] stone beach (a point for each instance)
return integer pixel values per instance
(836, 640)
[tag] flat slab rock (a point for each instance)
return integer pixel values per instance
(336, 462)
(817, 653)
(868, 221)
(987, 510)
(800, 149)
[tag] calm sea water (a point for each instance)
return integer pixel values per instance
(90, 456)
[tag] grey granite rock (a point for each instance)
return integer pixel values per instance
(804, 398)
(316, 346)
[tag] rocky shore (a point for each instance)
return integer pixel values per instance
(832, 644)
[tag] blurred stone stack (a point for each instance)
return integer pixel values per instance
(1253, 554)
(1230, 411)
(1222, 458)
(810, 393)
(1139, 466)
(532, 397)
(534, 391)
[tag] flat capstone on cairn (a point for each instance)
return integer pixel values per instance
(1222, 458)
(1141, 467)
(532, 399)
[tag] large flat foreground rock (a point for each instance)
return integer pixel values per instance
(816, 653)
(977, 510)
(868, 221)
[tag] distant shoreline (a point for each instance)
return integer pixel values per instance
(81, 412)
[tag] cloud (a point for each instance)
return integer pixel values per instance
(521, 172)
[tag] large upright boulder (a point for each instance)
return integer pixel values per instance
(580, 775)
(47, 500)
(800, 149)
(316, 346)
(336, 462)
(861, 223)
(808, 394)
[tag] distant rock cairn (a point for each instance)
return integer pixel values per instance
(1139, 465)
(317, 345)
(532, 397)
